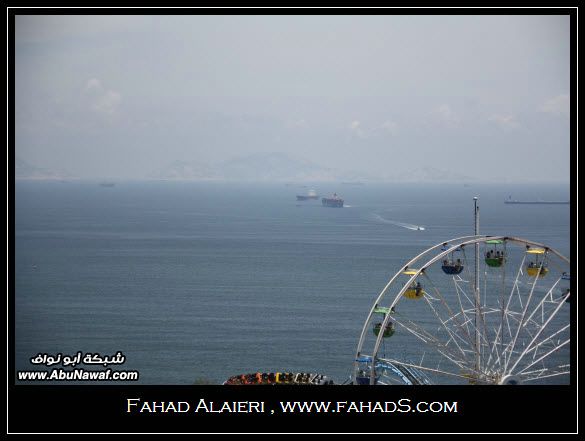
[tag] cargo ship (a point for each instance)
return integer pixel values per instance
(311, 194)
(511, 201)
(334, 201)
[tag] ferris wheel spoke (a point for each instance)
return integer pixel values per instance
(550, 337)
(466, 319)
(428, 338)
(544, 299)
(495, 356)
(525, 309)
(564, 369)
(484, 335)
(494, 353)
(553, 264)
(555, 349)
(537, 335)
(544, 373)
(509, 351)
(460, 291)
(513, 318)
(443, 323)
(506, 309)
(516, 284)
(451, 315)
(546, 342)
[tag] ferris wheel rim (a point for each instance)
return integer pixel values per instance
(453, 244)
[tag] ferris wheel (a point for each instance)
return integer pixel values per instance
(471, 310)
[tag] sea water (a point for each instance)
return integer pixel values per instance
(194, 282)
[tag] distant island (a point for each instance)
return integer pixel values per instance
(281, 167)
(269, 167)
(24, 170)
(514, 201)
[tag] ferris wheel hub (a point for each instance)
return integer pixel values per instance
(510, 380)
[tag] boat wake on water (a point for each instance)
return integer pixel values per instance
(377, 218)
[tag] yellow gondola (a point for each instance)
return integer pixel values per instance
(537, 267)
(415, 290)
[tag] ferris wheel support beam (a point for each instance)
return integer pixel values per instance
(476, 292)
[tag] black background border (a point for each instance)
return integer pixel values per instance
(102, 408)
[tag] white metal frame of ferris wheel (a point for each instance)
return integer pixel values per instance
(469, 351)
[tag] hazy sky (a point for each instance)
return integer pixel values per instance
(121, 96)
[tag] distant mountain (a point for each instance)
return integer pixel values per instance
(24, 170)
(183, 170)
(431, 174)
(281, 167)
(275, 167)
(256, 167)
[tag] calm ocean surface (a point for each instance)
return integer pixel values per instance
(195, 282)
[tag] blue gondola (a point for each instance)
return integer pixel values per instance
(364, 370)
(450, 264)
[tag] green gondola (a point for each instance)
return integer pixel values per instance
(389, 330)
(494, 257)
